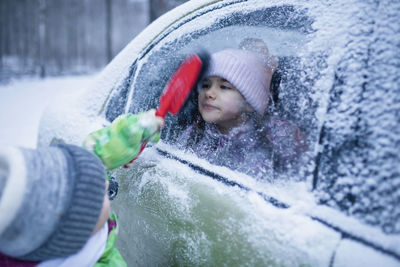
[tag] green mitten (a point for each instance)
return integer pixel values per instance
(121, 142)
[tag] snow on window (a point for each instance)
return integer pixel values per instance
(336, 85)
(215, 33)
(358, 167)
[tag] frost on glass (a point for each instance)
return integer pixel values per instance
(284, 36)
(117, 103)
(358, 166)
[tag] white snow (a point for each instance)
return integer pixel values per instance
(354, 254)
(22, 103)
(300, 200)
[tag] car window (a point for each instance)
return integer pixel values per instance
(284, 35)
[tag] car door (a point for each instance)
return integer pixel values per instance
(336, 81)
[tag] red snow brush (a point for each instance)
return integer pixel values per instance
(182, 81)
(179, 87)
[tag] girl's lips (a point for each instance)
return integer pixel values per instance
(209, 107)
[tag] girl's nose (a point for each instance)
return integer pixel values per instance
(211, 92)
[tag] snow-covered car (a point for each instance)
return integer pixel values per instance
(338, 80)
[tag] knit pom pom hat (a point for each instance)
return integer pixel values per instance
(50, 200)
(249, 72)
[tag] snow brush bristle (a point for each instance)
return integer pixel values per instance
(182, 82)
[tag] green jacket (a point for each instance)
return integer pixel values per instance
(111, 256)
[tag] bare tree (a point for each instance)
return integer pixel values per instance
(159, 7)
(108, 30)
(2, 35)
(42, 37)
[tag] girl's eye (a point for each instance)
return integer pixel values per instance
(205, 86)
(225, 87)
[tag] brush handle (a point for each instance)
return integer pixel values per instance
(163, 108)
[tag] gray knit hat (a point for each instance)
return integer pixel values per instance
(50, 200)
(249, 72)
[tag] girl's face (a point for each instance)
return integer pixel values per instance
(221, 103)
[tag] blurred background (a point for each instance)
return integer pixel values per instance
(52, 48)
(42, 38)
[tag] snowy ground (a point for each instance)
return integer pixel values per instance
(23, 101)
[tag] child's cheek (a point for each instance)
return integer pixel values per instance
(234, 107)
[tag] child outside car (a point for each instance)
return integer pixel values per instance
(54, 208)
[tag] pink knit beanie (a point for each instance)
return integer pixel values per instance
(249, 72)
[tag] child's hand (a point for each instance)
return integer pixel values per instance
(149, 119)
(123, 140)
(159, 120)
